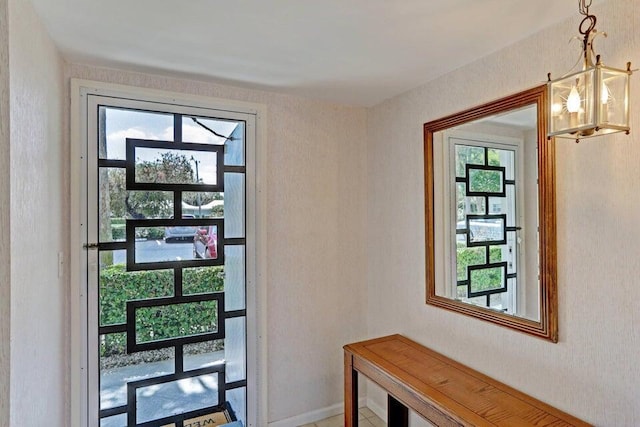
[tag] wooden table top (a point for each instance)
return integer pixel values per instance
(435, 386)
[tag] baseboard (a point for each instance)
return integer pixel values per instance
(380, 411)
(317, 415)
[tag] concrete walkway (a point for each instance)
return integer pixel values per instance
(161, 400)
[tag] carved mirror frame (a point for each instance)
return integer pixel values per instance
(547, 326)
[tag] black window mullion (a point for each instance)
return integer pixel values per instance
(177, 127)
(179, 361)
(177, 204)
(177, 282)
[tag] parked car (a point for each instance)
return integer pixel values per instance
(205, 243)
(180, 234)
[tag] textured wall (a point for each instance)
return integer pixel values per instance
(39, 215)
(5, 252)
(316, 171)
(329, 189)
(593, 372)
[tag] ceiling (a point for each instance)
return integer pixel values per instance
(356, 52)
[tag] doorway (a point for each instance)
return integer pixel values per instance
(169, 248)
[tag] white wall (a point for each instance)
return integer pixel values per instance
(316, 288)
(330, 189)
(5, 250)
(39, 211)
(593, 372)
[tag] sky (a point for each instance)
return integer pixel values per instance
(122, 124)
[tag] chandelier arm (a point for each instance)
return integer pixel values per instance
(571, 70)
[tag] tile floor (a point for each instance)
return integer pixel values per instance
(366, 419)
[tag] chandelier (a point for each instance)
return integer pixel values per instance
(593, 101)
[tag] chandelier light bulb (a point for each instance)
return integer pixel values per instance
(573, 101)
(604, 93)
(604, 99)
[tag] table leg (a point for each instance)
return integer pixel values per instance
(350, 392)
(397, 413)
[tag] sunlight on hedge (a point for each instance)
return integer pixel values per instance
(117, 286)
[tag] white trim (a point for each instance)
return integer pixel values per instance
(315, 415)
(260, 393)
(90, 282)
(256, 210)
(173, 98)
(78, 270)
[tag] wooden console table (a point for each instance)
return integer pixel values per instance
(443, 391)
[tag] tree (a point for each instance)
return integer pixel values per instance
(171, 168)
(488, 181)
(104, 227)
(201, 198)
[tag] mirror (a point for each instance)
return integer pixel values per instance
(490, 214)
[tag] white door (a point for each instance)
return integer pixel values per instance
(486, 176)
(167, 254)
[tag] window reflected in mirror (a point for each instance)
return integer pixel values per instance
(489, 164)
(489, 175)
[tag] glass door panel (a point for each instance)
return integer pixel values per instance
(168, 329)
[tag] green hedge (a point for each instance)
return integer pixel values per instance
(486, 279)
(118, 231)
(117, 286)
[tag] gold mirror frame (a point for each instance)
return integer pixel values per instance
(547, 326)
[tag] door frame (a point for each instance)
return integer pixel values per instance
(255, 233)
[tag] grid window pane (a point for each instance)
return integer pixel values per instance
(117, 368)
(176, 397)
(175, 320)
(118, 124)
(117, 286)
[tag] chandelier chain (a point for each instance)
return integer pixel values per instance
(583, 6)
(589, 19)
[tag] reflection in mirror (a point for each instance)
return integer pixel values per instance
(490, 227)
(489, 255)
